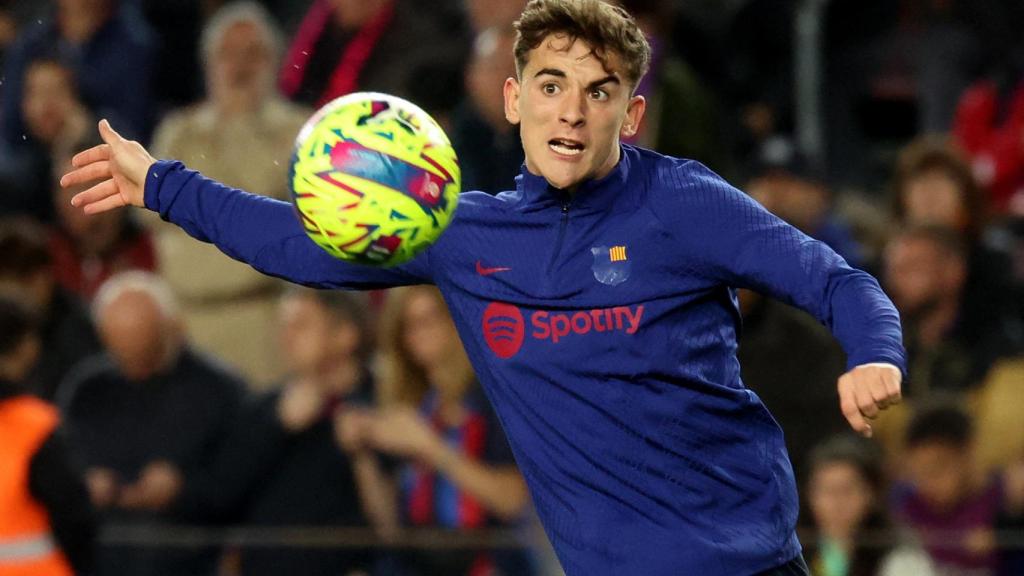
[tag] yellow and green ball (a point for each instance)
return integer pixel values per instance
(374, 179)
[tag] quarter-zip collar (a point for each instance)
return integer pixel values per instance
(534, 193)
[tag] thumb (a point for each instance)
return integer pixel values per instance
(107, 132)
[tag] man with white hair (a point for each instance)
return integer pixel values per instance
(147, 404)
(243, 134)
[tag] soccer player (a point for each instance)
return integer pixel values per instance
(596, 302)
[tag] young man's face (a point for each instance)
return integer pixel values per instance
(572, 111)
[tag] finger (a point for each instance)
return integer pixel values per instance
(93, 171)
(892, 387)
(107, 132)
(848, 405)
(96, 193)
(879, 391)
(94, 154)
(105, 204)
(865, 401)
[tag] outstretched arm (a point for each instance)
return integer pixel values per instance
(259, 231)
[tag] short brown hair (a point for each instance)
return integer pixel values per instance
(934, 153)
(606, 28)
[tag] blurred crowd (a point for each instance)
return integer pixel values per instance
(147, 380)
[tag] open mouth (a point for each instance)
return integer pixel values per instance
(565, 146)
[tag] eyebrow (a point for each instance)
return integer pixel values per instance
(611, 78)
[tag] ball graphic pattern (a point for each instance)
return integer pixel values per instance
(374, 179)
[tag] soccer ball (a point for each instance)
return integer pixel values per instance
(374, 179)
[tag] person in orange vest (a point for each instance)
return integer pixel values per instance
(47, 526)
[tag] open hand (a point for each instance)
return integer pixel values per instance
(867, 390)
(120, 166)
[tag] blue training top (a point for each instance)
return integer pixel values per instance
(603, 328)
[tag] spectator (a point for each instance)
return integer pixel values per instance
(925, 273)
(846, 493)
(344, 46)
(934, 186)
(112, 52)
(44, 507)
(243, 135)
(56, 121)
(285, 464)
(951, 508)
(88, 249)
(147, 404)
(787, 185)
(67, 335)
(458, 472)
(490, 153)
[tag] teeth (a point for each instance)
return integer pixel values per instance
(563, 149)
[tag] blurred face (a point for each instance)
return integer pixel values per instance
(840, 498)
(49, 96)
(917, 277)
(242, 60)
(310, 336)
(429, 333)
(940, 473)
(136, 334)
(934, 198)
(572, 111)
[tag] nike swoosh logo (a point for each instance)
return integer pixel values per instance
(481, 270)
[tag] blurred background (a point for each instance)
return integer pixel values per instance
(199, 418)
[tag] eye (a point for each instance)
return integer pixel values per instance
(550, 88)
(598, 94)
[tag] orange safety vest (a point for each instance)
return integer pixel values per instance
(27, 547)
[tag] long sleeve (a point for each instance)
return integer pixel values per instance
(262, 232)
(738, 243)
(55, 483)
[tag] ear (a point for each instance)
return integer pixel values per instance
(511, 91)
(634, 114)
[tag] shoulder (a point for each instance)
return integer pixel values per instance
(86, 379)
(683, 188)
(475, 206)
(177, 126)
(285, 114)
(210, 373)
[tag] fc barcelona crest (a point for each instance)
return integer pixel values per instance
(611, 264)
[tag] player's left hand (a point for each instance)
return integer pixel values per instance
(867, 390)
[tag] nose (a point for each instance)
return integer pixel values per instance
(573, 110)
